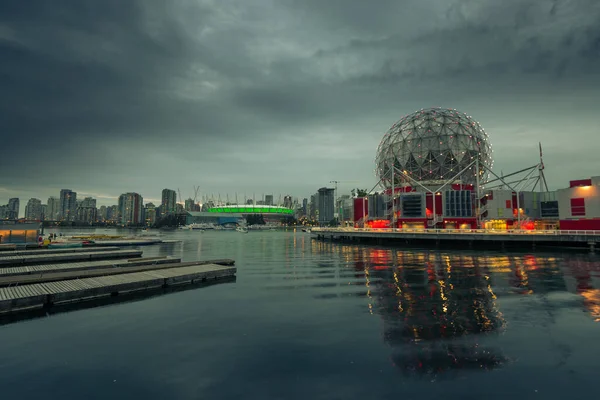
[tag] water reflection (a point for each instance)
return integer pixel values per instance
(440, 308)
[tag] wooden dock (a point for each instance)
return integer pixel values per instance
(56, 251)
(37, 295)
(89, 265)
(125, 242)
(32, 257)
(58, 275)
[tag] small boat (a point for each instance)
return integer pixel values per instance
(242, 229)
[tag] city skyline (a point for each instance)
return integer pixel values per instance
(281, 97)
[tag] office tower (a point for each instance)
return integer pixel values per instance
(326, 205)
(33, 210)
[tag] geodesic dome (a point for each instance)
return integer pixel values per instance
(432, 146)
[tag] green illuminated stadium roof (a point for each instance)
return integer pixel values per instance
(249, 209)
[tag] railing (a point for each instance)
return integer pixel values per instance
(464, 231)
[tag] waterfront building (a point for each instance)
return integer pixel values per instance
(44, 211)
(269, 200)
(16, 233)
(326, 205)
(68, 205)
(53, 210)
(304, 207)
(169, 201)
(579, 205)
(130, 209)
(33, 210)
(3, 210)
(223, 215)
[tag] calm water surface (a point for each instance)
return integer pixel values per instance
(314, 320)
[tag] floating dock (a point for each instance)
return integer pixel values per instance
(41, 269)
(38, 251)
(32, 256)
(124, 242)
(465, 238)
(37, 295)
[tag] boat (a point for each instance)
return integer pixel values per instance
(242, 229)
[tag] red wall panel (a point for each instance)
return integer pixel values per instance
(580, 182)
(580, 225)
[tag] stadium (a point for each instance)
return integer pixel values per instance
(233, 214)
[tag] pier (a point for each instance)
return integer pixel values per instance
(469, 238)
(32, 257)
(75, 275)
(45, 294)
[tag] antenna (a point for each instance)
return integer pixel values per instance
(541, 168)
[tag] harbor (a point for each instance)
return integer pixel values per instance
(469, 238)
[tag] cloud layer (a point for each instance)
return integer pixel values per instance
(281, 96)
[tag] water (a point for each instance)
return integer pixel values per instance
(313, 320)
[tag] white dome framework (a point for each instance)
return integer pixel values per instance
(433, 146)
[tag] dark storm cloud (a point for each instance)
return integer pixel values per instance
(136, 95)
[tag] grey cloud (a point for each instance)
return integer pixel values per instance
(230, 95)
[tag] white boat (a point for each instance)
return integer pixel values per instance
(242, 229)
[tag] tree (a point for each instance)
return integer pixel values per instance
(359, 192)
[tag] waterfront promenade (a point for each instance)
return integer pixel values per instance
(465, 237)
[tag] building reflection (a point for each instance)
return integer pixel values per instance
(434, 310)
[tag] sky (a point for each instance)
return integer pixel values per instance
(281, 96)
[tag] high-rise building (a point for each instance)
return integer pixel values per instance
(112, 214)
(269, 200)
(53, 210)
(131, 209)
(13, 208)
(190, 205)
(68, 205)
(150, 214)
(33, 210)
(102, 214)
(169, 201)
(326, 205)
(287, 202)
(305, 207)
(44, 211)
(314, 206)
(87, 211)
(3, 211)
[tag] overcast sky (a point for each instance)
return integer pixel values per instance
(282, 96)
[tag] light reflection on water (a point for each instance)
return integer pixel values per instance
(357, 320)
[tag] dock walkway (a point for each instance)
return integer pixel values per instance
(31, 257)
(90, 265)
(58, 275)
(48, 293)
(523, 238)
(56, 251)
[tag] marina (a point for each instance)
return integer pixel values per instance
(584, 240)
